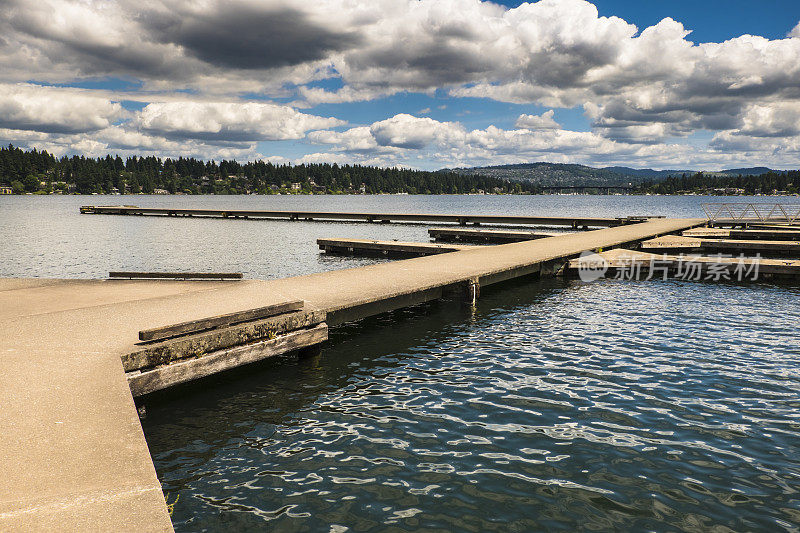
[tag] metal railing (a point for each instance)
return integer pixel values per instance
(744, 212)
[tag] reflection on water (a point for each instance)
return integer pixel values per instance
(554, 405)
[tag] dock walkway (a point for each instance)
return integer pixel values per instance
(463, 220)
(73, 453)
(633, 264)
(486, 236)
(678, 242)
(368, 247)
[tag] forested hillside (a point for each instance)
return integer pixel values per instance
(552, 174)
(560, 174)
(38, 171)
(700, 183)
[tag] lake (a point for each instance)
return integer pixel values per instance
(552, 405)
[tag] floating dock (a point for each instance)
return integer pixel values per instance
(75, 351)
(477, 219)
(633, 264)
(370, 248)
(745, 234)
(698, 244)
(486, 236)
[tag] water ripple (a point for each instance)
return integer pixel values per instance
(558, 405)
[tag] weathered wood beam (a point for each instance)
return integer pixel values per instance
(175, 275)
(180, 372)
(194, 326)
(195, 345)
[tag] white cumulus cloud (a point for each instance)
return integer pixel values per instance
(230, 121)
(192, 62)
(545, 121)
(55, 110)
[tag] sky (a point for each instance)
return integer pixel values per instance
(678, 84)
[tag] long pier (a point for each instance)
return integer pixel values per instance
(574, 222)
(72, 451)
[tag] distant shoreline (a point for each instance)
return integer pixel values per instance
(785, 195)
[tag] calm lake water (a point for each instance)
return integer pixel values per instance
(555, 405)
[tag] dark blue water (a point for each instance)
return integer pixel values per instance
(554, 405)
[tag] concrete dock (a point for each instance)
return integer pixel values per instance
(370, 248)
(633, 264)
(487, 236)
(574, 222)
(745, 234)
(73, 453)
(705, 244)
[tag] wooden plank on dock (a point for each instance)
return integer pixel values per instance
(175, 275)
(386, 248)
(575, 222)
(495, 236)
(184, 371)
(194, 326)
(198, 344)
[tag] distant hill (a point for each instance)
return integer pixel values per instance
(752, 171)
(647, 173)
(560, 174)
(552, 174)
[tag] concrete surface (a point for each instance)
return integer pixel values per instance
(364, 217)
(642, 262)
(677, 242)
(386, 248)
(493, 236)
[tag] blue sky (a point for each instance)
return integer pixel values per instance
(710, 20)
(426, 84)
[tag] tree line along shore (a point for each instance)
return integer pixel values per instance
(38, 172)
(770, 183)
